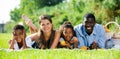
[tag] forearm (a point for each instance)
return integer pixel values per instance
(54, 45)
(11, 45)
(75, 45)
(24, 44)
(56, 40)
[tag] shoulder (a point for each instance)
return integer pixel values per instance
(57, 34)
(57, 31)
(79, 29)
(78, 26)
(61, 39)
(75, 38)
(98, 27)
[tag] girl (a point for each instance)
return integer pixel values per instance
(68, 39)
(46, 37)
(18, 38)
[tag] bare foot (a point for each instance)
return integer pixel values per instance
(25, 17)
(29, 23)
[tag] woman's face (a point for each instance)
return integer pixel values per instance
(46, 26)
(67, 33)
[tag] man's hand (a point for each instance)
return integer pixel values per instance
(94, 45)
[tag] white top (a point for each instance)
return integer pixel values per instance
(29, 42)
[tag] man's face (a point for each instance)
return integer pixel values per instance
(89, 24)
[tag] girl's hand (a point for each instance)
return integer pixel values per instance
(68, 45)
(12, 41)
(23, 40)
(24, 35)
(14, 37)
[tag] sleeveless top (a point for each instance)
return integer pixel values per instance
(41, 43)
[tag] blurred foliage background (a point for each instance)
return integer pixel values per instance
(65, 10)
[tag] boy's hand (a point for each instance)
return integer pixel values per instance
(94, 45)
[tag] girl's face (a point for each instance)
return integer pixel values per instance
(67, 33)
(46, 26)
(18, 35)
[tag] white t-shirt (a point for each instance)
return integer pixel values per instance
(29, 42)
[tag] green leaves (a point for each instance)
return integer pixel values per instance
(73, 10)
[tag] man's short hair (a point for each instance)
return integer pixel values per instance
(90, 15)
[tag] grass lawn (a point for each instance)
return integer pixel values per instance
(5, 53)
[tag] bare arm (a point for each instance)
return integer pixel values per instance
(24, 43)
(56, 40)
(12, 42)
(34, 36)
(75, 42)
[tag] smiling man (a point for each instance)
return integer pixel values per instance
(89, 33)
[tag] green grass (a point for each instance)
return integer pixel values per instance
(59, 54)
(4, 38)
(5, 53)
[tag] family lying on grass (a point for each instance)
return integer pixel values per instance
(88, 35)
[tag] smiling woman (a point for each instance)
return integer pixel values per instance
(5, 7)
(46, 37)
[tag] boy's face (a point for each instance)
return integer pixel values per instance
(68, 33)
(18, 35)
(89, 25)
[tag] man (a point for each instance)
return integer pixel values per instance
(90, 34)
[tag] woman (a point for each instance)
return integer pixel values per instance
(46, 37)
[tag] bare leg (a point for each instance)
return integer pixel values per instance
(32, 27)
